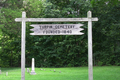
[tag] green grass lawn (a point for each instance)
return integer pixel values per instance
(74, 73)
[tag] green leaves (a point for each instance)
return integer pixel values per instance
(60, 51)
(34, 8)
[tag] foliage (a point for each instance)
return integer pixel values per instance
(104, 2)
(13, 4)
(65, 50)
(60, 51)
(106, 45)
(10, 40)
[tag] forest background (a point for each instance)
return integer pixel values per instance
(60, 51)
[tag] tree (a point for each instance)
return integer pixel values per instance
(107, 42)
(60, 51)
(10, 37)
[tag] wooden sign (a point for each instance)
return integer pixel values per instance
(56, 29)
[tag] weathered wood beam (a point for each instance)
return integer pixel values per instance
(55, 19)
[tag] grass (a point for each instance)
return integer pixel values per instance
(72, 73)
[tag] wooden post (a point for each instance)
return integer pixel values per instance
(23, 46)
(90, 62)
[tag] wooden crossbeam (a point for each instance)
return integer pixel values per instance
(55, 19)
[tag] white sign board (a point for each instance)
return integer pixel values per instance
(56, 29)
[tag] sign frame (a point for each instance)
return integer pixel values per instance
(89, 19)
